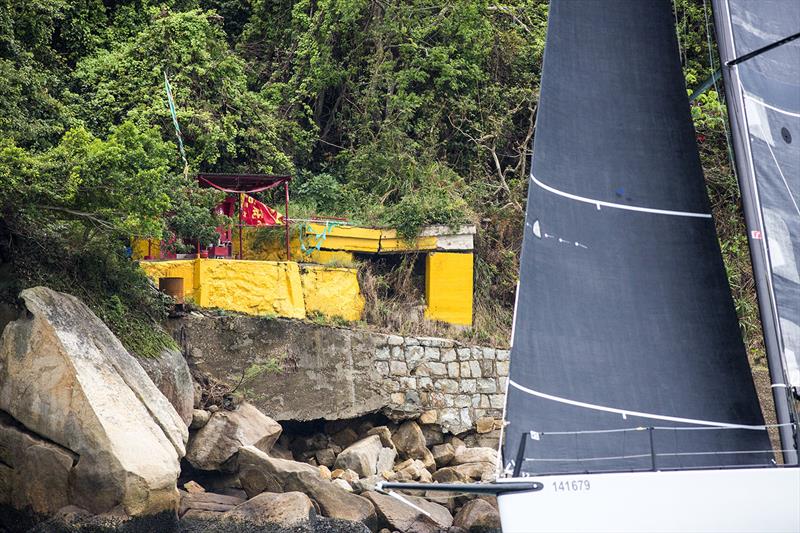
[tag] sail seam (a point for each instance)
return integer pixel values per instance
(761, 102)
(603, 203)
(626, 413)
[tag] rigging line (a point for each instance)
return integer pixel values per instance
(585, 459)
(778, 166)
(677, 32)
(626, 413)
(759, 51)
(644, 428)
(720, 97)
(599, 203)
(642, 455)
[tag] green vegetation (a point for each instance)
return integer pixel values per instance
(388, 112)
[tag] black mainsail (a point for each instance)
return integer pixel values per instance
(759, 44)
(624, 317)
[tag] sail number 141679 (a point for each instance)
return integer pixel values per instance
(576, 485)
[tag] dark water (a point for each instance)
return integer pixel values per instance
(12, 521)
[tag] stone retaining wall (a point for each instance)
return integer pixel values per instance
(336, 373)
(461, 383)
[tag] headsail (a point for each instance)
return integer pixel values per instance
(624, 317)
(759, 45)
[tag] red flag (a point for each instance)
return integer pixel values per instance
(254, 213)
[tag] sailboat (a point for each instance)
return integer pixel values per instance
(630, 402)
(630, 398)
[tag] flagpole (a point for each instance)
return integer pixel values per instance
(286, 219)
(241, 250)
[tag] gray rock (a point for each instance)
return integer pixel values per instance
(433, 434)
(171, 375)
(361, 457)
(464, 473)
(399, 516)
(34, 473)
(333, 501)
(207, 501)
(259, 472)
(68, 379)
(342, 484)
(409, 440)
(386, 457)
(443, 454)
(367, 483)
(286, 509)
(345, 437)
(478, 516)
(226, 432)
(475, 455)
(199, 418)
(385, 434)
(325, 457)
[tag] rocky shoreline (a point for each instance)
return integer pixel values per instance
(92, 440)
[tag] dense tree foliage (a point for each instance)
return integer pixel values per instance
(386, 111)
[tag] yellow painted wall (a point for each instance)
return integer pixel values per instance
(275, 250)
(265, 287)
(252, 287)
(139, 248)
(448, 287)
(390, 242)
(348, 238)
(332, 291)
(172, 269)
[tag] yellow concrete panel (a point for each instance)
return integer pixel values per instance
(348, 238)
(173, 269)
(139, 248)
(391, 242)
(332, 292)
(274, 249)
(448, 287)
(252, 287)
(325, 257)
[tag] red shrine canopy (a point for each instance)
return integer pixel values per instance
(238, 183)
(249, 183)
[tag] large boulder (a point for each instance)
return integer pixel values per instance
(333, 501)
(478, 516)
(227, 431)
(386, 459)
(34, 473)
(443, 454)
(411, 444)
(361, 457)
(258, 472)
(207, 501)
(171, 375)
(409, 440)
(286, 510)
(398, 515)
(66, 377)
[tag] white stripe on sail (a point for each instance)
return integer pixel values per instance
(626, 413)
(762, 103)
(599, 203)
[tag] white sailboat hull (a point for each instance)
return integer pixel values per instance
(737, 500)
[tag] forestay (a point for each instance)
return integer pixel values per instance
(624, 316)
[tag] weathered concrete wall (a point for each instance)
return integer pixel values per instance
(336, 373)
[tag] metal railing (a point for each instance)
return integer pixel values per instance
(532, 436)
